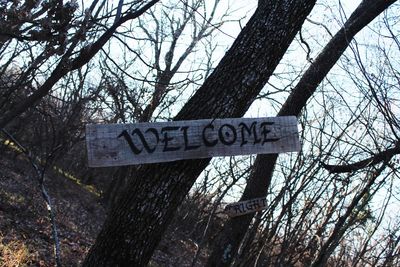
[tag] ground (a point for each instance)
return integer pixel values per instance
(25, 229)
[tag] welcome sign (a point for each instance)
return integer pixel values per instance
(127, 144)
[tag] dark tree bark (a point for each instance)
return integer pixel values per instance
(163, 78)
(137, 221)
(234, 230)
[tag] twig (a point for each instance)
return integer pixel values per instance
(45, 195)
(119, 9)
(307, 46)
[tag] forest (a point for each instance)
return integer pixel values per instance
(153, 70)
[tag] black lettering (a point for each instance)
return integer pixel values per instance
(223, 136)
(265, 132)
(243, 207)
(155, 132)
(249, 130)
(185, 136)
(256, 204)
(249, 206)
(143, 139)
(166, 139)
(264, 204)
(128, 139)
(237, 208)
(205, 141)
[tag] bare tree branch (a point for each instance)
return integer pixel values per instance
(66, 65)
(377, 158)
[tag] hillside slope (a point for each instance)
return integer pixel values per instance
(25, 230)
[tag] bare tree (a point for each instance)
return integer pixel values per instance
(63, 66)
(234, 84)
(259, 181)
(68, 44)
(152, 76)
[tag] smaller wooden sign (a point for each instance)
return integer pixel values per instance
(245, 207)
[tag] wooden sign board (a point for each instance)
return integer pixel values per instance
(127, 144)
(245, 207)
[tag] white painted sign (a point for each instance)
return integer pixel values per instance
(245, 207)
(127, 144)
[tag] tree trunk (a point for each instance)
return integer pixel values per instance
(137, 221)
(259, 181)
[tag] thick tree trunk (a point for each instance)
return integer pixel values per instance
(136, 223)
(259, 181)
